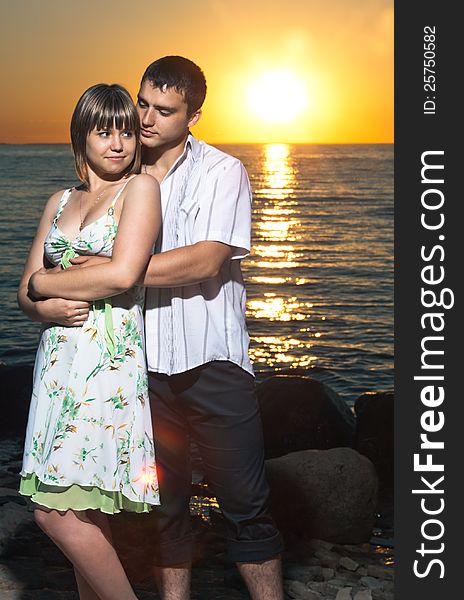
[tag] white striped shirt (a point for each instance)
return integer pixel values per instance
(206, 195)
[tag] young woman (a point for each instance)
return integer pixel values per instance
(89, 446)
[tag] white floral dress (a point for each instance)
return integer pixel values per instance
(89, 441)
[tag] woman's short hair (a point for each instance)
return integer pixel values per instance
(103, 106)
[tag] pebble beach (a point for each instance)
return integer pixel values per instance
(32, 568)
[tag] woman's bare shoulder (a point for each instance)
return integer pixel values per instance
(143, 181)
(51, 207)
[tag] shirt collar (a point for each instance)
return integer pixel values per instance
(193, 146)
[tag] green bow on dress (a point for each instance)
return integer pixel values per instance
(104, 305)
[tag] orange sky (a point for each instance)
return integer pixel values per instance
(339, 53)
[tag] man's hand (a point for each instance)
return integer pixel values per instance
(70, 313)
(88, 261)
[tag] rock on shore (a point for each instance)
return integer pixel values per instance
(326, 494)
(374, 432)
(300, 413)
(15, 395)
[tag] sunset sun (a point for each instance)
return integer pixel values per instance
(277, 96)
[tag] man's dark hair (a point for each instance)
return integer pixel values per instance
(181, 74)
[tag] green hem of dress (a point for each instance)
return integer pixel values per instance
(78, 497)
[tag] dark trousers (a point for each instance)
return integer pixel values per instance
(216, 405)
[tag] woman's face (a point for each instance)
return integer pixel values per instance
(110, 151)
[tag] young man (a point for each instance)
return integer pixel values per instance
(200, 377)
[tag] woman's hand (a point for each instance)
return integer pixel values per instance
(70, 313)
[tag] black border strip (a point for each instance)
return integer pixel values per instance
(427, 270)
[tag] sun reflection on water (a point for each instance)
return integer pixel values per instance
(278, 256)
(277, 188)
(201, 506)
(279, 352)
(279, 175)
(276, 231)
(271, 280)
(275, 308)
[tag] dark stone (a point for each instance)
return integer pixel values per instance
(16, 386)
(6, 499)
(325, 494)
(374, 432)
(32, 577)
(300, 413)
(60, 579)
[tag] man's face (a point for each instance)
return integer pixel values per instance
(164, 119)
